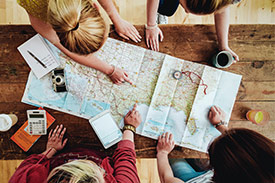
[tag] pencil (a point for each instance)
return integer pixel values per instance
(39, 61)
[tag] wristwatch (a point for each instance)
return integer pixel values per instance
(219, 124)
(129, 127)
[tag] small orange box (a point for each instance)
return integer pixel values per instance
(23, 139)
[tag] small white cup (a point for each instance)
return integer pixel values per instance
(7, 121)
(223, 59)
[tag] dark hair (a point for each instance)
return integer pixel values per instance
(206, 6)
(242, 155)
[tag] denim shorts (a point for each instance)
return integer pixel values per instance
(183, 170)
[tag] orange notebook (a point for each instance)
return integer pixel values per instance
(23, 139)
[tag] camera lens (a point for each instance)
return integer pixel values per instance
(59, 80)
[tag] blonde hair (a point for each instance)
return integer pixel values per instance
(206, 6)
(77, 171)
(78, 24)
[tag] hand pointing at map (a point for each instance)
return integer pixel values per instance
(119, 76)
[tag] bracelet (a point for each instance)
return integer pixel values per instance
(151, 27)
(110, 75)
(50, 150)
(219, 124)
(129, 127)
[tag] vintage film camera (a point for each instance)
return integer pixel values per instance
(58, 78)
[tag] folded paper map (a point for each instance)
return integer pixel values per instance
(179, 106)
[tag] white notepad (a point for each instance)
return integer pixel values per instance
(38, 56)
(106, 129)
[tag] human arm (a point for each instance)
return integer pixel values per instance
(124, 158)
(217, 115)
(36, 166)
(153, 32)
(222, 18)
(165, 146)
(45, 30)
(122, 27)
(55, 141)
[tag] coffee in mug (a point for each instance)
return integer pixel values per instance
(223, 59)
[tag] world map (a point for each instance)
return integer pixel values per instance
(166, 104)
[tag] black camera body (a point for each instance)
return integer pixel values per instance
(58, 79)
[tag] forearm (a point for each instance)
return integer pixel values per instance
(88, 60)
(152, 8)
(222, 128)
(110, 9)
(128, 135)
(165, 171)
(49, 152)
(222, 27)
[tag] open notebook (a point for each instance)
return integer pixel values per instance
(38, 56)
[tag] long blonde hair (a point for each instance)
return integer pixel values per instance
(78, 24)
(206, 6)
(77, 171)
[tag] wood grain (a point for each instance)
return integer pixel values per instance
(8, 168)
(246, 12)
(147, 170)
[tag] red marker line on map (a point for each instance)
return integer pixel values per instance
(188, 74)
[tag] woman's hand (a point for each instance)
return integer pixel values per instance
(235, 56)
(152, 38)
(216, 115)
(127, 30)
(165, 143)
(55, 138)
(119, 76)
(133, 117)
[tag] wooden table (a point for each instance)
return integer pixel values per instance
(255, 44)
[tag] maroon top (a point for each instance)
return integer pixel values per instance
(120, 168)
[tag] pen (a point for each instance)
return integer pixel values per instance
(36, 59)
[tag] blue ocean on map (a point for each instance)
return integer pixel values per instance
(91, 107)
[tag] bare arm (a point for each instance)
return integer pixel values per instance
(45, 30)
(132, 118)
(216, 115)
(152, 8)
(123, 28)
(164, 147)
(222, 18)
(153, 34)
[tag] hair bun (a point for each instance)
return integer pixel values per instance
(76, 27)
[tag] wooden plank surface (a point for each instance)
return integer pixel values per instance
(255, 45)
(246, 12)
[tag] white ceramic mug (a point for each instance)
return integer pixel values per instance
(223, 59)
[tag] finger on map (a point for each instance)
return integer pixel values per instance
(128, 80)
(215, 109)
(135, 106)
(170, 136)
(210, 113)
